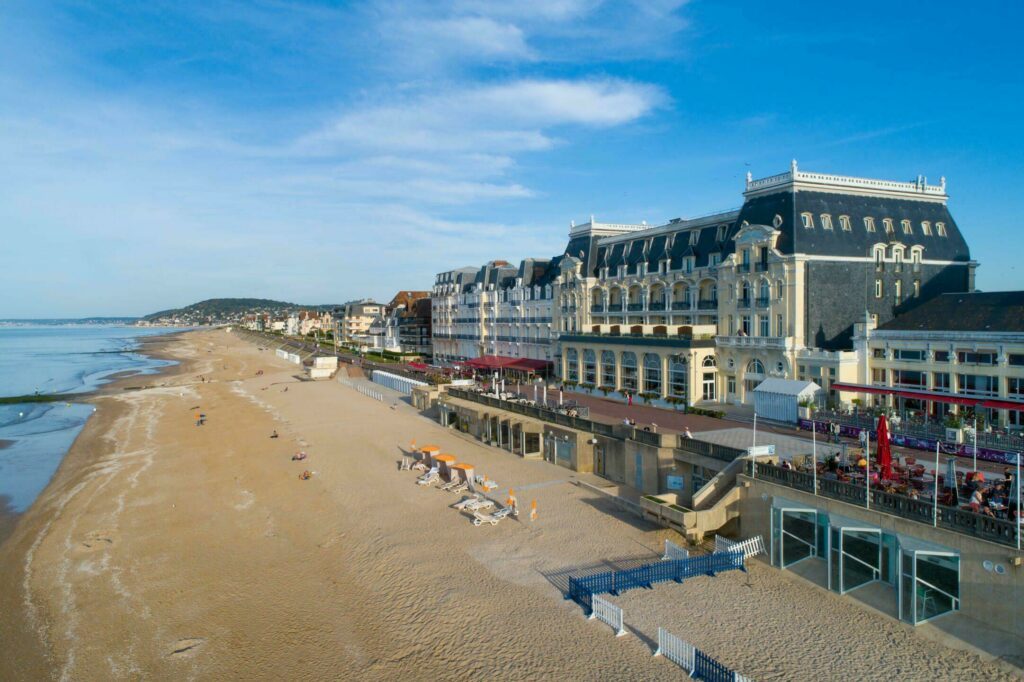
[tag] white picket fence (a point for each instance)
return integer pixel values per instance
(674, 551)
(609, 613)
(395, 382)
(362, 388)
(750, 547)
(680, 652)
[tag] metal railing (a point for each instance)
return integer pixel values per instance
(633, 307)
(722, 453)
(950, 518)
(743, 303)
(681, 305)
(656, 305)
(762, 301)
(710, 304)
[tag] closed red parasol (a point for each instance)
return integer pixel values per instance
(884, 451)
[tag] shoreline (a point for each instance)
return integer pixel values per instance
(167, 550)
(17, 529)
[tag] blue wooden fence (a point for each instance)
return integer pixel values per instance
(582, 589)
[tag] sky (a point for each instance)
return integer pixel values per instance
(154, 154)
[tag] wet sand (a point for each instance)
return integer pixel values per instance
(163, 550)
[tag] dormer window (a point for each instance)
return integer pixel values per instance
(940, 229)
(714, 259)
(688, 263)
(889, 227)
(926, 228)
(722, 230)
(826, 221)
(907, 229)
(844, 222)
(694, 236)
(808, 220)
(869, 224)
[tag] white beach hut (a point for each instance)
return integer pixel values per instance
(778, 399)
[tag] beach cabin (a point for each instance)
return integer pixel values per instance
(428, 452)
(779, 399)
(465, 472)
(444, 463)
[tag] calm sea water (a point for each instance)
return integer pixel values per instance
(55, 359)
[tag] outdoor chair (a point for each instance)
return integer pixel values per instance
(460, 487)
(468, 502)
(480, 519)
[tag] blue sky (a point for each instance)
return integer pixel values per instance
(155, 154)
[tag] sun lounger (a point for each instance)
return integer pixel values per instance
(459, 487)
(449, 485)
(480, 519)
(506, 511)
(405, 466)
(480, 504)
(429, 477)
(468, 503)
(419, 466)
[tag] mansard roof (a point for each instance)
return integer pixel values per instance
(997, 311)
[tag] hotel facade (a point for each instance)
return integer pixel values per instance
(702, 310)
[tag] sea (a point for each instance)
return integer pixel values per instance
(65, 359)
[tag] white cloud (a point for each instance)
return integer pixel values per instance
(481, 37)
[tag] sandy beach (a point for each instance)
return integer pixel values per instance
(166, 550)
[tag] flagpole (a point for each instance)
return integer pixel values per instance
(1016, 480)
(935, 496)
(754, 444)
(814, 454)
(975, 441)
(867, 471)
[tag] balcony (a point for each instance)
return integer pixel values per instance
(743, 267)
(597, 308)
(709, 304)
(634, 307)
(615, 307)
(772, 342)
(743, 303)
(656, 305)
(680, 305)
(762, 301)
(760, 267)
(669, 340)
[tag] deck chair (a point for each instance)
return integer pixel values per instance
(429, 477)
(419, 466)
(480, 519)
(468, 503)
(506, 511)
(480, 504)
(405, 465)
(449, 485)
(459, 487)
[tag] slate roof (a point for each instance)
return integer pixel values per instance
(997, 311)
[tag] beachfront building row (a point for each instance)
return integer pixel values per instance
(771, 289)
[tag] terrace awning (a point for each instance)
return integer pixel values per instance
(490, 362)
(932, 396)
(528, 365)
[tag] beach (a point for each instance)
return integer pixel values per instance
(166, 550)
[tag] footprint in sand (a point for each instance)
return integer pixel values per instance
(185, 648)
(247, 499)
(96, 540)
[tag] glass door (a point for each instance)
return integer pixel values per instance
(794, 535)
(856, 558)
(929, 585)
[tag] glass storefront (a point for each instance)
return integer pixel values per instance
(929, 582)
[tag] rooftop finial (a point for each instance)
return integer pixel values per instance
(942, 183)
(591, 218)
(750, 177)
(792, 166)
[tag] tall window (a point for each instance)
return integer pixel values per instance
(708, 391)
(926, 228)
(628, 371)
(888, 224)
(940, 229)
(745, 325)
(608, 369)
(907, 229)
(779, 330)
(899, 290)
(679, 377)
(652, 373)
(869, 224)
(779, 289)
(589, 367)
(765, 292)
(826, 221)
(878, 288)
(765, 322)
(844, 222)
(694, 237)
(917, 288)
(572, 360)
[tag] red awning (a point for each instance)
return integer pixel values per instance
(421, 366)
(528, 365)
(490, 362)
(1004, 405)
(930, 396)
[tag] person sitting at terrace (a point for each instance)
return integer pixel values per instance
(977, 501)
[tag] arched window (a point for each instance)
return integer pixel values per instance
(608, 369)
(755, 367)
(652, 373)
(745, 293)
(679, 377)
(589, 367)
(628, 371)
(572, 359)
(709, 361)
(765, 293)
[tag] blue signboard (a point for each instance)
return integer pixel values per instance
(674, 483)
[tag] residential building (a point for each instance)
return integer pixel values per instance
(414, 329)
(354, 324)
